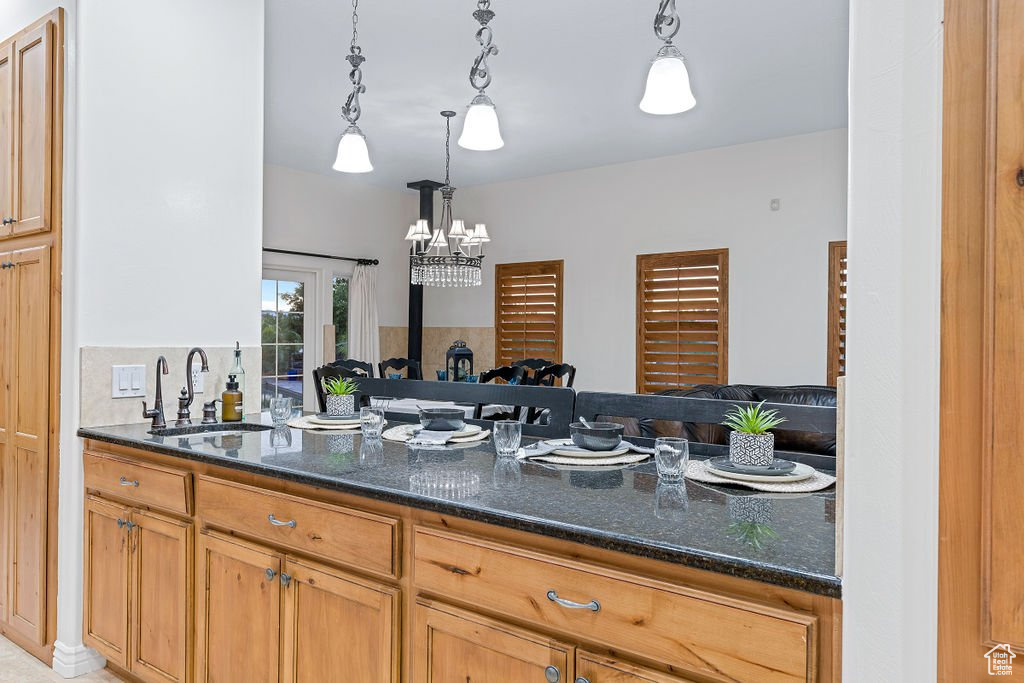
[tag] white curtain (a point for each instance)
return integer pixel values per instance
(363, 321)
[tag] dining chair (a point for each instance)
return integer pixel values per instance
(325, 372)
(362, 369)
(412, 367)
(511, 374)
(546, 377)
(533, 365)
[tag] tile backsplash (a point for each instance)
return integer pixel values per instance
(99, 409)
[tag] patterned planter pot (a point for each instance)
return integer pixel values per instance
(751, 449)
(340, 405)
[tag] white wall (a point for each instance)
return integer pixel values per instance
(341, 216)
(599, 219)
(891, 508)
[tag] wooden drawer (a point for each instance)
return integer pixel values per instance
(343, 535)
(137, 483)
(690, 630)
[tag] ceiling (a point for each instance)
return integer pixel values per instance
(566, 82)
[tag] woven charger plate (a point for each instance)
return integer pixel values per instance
(305, 422)
(625, 459)
(698, 471)
(469, 433)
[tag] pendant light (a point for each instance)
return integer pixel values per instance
(480, 131)
(353, 156)
(668, 82)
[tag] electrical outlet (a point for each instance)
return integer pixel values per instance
(197, 379)
(128, 381)
(775, 204)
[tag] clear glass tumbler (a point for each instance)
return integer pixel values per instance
(507, 436)
(671, 455)
(280, 410)
(371, 420)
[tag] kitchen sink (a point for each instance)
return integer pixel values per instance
(217, 429)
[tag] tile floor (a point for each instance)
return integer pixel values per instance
(17, 666)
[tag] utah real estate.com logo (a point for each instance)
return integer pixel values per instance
(1000, 660)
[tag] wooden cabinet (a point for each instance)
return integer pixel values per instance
(594, 668)
(24, 423)
(27, 131)
(138, 580)
(264, 616)
(451, 645)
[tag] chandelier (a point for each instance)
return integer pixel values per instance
(444, 257)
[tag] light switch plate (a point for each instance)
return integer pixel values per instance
(128, 381)
(197, 379)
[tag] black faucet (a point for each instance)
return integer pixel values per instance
(188, 393)
(157, 413)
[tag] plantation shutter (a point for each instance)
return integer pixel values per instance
(528, 311)
(682, 310)
(836, 311)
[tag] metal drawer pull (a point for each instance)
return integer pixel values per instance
(120, 523)
(125, 482)
(285, 579)
(270, 574)
(552, 674)
(593, 605)
(581, 679)
(276, 522)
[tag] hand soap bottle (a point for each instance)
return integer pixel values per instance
(231, 400)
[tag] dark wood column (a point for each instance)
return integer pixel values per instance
(426, 188)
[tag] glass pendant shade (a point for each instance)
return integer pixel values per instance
(668, 84)
(481, 132)
(353, 156)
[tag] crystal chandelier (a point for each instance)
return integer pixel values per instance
(480, 130)
(353, 156)
(445, 257)
(668, 83)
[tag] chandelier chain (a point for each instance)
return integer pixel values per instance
(666, 22)
(447, 150)
(480, 73)
(352, 109)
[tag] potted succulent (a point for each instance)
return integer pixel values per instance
(340, 395)
(751, 442)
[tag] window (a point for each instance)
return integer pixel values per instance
(339, 317)
(682, 319)
(836, 311)
(285, 335)
(528, 311)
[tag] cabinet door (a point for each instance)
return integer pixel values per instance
(451, 645)
(160, 596)
(337, 627)
(238, 624)
(591, 668)
(105, 559)
(6, 134)
(33, 129)
(6, 299)
(28, 458)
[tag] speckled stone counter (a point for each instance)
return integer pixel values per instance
(782, 539)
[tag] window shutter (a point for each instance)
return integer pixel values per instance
(528, 311)
(682, 309)
(836, 311)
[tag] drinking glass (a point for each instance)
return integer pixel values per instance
(280, 410)
(507, 435)
(371, 420)
(671, 455)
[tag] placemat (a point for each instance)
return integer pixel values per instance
(303, 422)
(625, 459)
(698, 471)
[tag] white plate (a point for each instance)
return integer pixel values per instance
(583, 454)
(470, 438)
(332, 423)
(589, 464)
(469, 433)
(799, 474)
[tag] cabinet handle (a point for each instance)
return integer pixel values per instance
(125, 482)
(285, 579)
(593, 605)
(552, 674)
(582, 679)
(125, 524)
(270, 574)
(120, 523)
(276, 522)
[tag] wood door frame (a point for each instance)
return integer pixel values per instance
(971, 181)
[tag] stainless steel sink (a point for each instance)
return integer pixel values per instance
(218, 429)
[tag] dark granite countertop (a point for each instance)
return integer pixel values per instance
(782, 539)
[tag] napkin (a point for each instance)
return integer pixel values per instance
(425, 437)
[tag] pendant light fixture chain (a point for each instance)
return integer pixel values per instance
(447, 145)
(666, 22)
(480, 74)
(352, 109)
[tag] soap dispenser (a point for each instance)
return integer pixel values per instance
(239, 376)
(231, 401)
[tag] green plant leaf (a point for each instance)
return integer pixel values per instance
(752, 419)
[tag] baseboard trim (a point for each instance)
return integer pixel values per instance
(70, 661)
